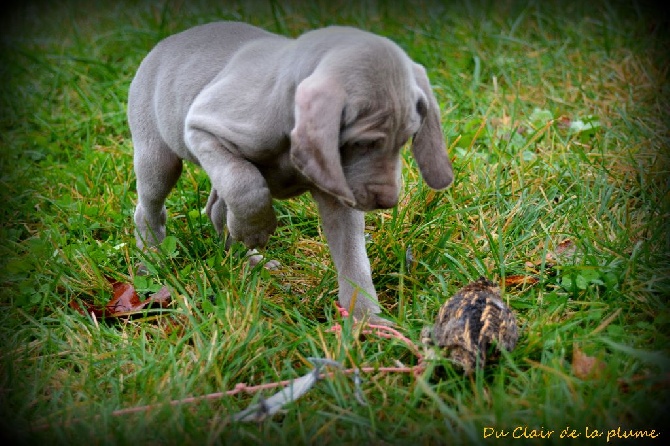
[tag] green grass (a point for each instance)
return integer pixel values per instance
(510, 77)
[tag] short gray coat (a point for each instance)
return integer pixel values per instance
(268, 117)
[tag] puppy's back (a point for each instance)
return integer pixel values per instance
(176, 70)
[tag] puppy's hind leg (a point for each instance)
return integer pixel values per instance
(157, 170)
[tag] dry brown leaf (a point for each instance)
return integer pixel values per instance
(125, 301)
(564, 246)
(584, 366)
(87, 309)
(162, 297)
(518, 280)
(564, 249)
(564, 122)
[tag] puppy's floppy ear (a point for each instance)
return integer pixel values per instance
(319, 102)
(428, 146)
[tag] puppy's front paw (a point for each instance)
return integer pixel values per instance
(253, 232)
(254, 258)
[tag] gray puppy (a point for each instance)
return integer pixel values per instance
(271, 117)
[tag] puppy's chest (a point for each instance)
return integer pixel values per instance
(283, 179)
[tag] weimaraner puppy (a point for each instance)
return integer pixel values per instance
(271, 117)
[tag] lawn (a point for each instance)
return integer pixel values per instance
(555, 116)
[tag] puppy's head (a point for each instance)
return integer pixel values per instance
(355, 112)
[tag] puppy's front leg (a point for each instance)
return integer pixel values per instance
(344, 228)
(248, 201)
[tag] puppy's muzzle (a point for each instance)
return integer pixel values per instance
(382, 197)
(385, 201)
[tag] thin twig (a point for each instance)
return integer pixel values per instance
(378, 330)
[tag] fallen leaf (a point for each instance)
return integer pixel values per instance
(125, 301)
(566, 248)
(162, 297)
(518, 280)
(584, 366)
(564, 122)
(88, 309)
